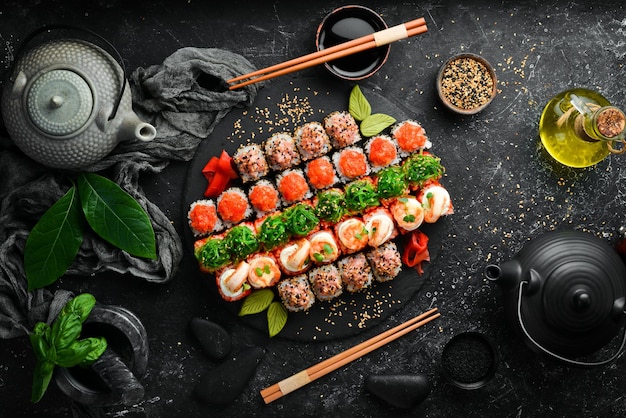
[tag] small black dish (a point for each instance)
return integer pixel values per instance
(345, 24)
(469, 360)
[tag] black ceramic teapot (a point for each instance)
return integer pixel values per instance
(566, 292)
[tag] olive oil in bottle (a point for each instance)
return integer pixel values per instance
(580, 128)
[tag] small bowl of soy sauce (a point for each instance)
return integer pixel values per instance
(469, 360)
(345, 24)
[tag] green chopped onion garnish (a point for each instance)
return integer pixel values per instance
(318, 257)
(409, 218)
(328, 249)
(258, 271)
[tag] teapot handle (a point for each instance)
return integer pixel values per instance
(45, 28)
(554, 355)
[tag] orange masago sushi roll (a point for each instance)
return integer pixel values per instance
(321, 173)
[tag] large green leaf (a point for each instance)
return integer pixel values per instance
(54, 242)
(116, 216)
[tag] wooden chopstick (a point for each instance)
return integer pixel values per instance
(318, 370)
(395, 33)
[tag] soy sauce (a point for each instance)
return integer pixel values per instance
(340, 29)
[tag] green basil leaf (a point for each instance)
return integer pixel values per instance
(256, 302)
(65, 330)
(81, 305)
(54, 242)
(276, 318)
(40, 340)
(41, 379)
(358, 106)
(114, 215)
(98, 347)
(74, 354)
(375, 124)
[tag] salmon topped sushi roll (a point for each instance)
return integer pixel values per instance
(281, 152)
(295, 293)
(410, 137)
(342, 129)
(385, 261)
(203, 219)
(294, 257)
(326, 282)
(436, 202)
(263, 197)
(312, 140)
(408, 213)
(351, 163)
(380, 226)
(352, 235)
(264, 270)
(250, 162)
(292, 186)
(381, 152)
(321, 173)
(232, 281)
(356, 273)
(233, 206)
(324, 247)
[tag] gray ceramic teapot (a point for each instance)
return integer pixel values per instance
(566, 292)
(67, 103)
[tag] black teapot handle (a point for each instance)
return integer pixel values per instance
(47, 28)
(554, 355)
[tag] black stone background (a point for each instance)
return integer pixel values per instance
(505, 190)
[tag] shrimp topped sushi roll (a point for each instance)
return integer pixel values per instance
(342, 129)
(233, 206)
(408, 213)
(295, 293)
(380, 226)
(326, 282)
(250, 162)
(203, 219)
(321, 173)
(352, 235)
(263, 197)
(324, 247)
(264, 271)
(410, 137)
(436, 203)
(312, 140)
(356, 273)
(281, 152)
(292, 186)
(381, 152)
(385, 261)
(294, 258)
(351, 163)
(232, 281)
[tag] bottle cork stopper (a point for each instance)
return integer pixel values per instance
(611, 122)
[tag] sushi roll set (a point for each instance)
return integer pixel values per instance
(318, 210)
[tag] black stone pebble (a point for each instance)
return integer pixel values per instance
(399, 390)
(223, 384)
(215, 340)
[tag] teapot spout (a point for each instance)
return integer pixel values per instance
(134, 128)
(508, 275)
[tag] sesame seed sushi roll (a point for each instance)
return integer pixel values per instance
(272, 231)
(356, 273)
(232, 281)
(241, 241)
(263, 197)
(330, 206)
(250, 162)
(312, 140)
(326, 282)
(421, 168)
(264, 270)
(410, 137)
(281, 152)
(380, 227)
(292, 186)
(391, 182)
(360, 195)
(301, 219)
(342, 129)
(212, 253)
(407, 212)
(381, 152)
(352, 236)
(203, 219)
(296, 294)
(324, 247)
(233, 206)
(293, 258)
(321, 173)
(351, 163)
(385, 261)
(436, 202)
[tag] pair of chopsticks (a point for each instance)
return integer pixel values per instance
(376, 39)
(305, 377)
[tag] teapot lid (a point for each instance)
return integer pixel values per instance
(59, 102)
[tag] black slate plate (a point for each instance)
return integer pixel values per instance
(282, 106)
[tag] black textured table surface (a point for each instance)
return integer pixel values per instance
(505, 189)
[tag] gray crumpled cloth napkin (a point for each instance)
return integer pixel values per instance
(184, 98)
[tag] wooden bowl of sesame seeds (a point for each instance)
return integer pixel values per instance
(466, 83)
